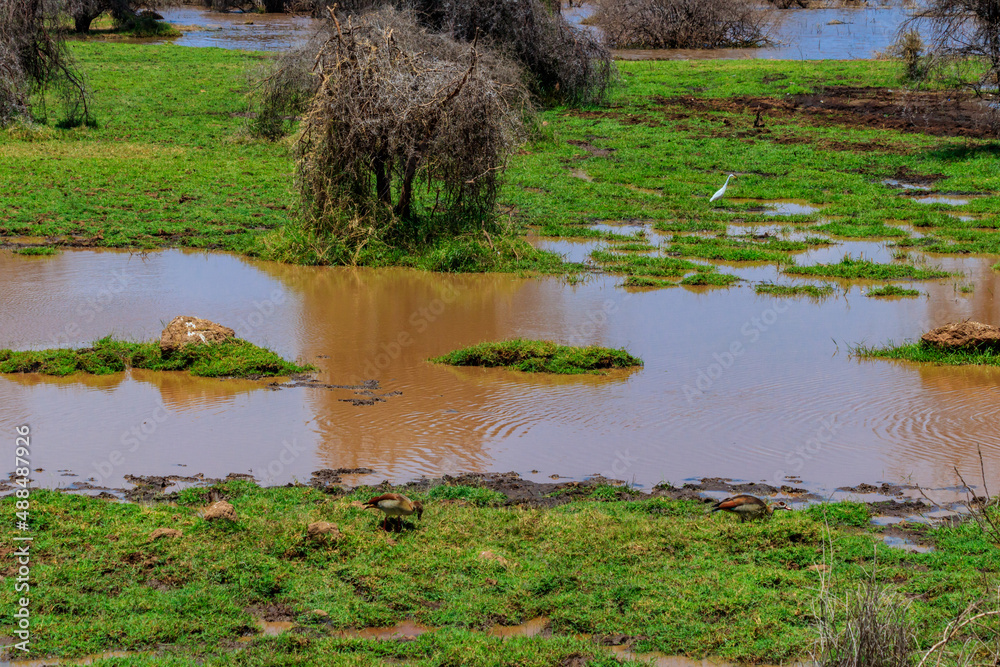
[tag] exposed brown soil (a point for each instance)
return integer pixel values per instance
(938, 113)
(885, 489)
(272, 613)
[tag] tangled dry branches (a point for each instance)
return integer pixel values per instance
(682, 24)
(33, 58)
(408, 132)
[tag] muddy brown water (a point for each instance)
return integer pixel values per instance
(791, 401)
(797, 34)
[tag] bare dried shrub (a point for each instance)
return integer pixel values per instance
(682, 24)
(407, 135)
(868, 627)
(282, 88)
(565, 63)
(909, 48)
(34, 59)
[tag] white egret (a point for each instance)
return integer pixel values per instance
(722, 190)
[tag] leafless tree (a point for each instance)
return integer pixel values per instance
(397, 107)
(961, 29)
(33, 59)
(682, 24)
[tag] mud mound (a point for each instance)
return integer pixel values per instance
(184, 330)
(963, 335)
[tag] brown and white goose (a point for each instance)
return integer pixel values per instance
(748, 507)
(395, 506)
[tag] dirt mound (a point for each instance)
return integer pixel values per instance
(963, 335)
(184, 330)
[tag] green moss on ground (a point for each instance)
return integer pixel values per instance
(539, 356)
(232, 358)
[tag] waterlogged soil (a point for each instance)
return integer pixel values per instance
(937, 113)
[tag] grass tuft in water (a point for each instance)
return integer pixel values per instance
(891, 290)
(922, 352)
(713, 279)
(646, 281)
(815, 291)
(37, 251)
(857, 269)
(539, 356)
(232, 358)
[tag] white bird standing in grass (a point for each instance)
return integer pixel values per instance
(721, 191)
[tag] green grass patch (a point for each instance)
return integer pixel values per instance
(815, 291)
(37, 251)
(925, 353)
(643, 265)
(647, 281)
(475, 495)
(730, 249)
(713, 279)
(232, 358)
(655, 568)
(536, 356)
(864, 269)
(891, 290)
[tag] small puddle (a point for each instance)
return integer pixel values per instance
(789, 208)
(532, 628)
(948, 200)
(402, 630)
(902, 185)
(905, 544)
(580, 173)
(274, 628)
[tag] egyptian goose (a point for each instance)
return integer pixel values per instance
(748, 507)
(394, 506)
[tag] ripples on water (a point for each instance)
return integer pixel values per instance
(792, 401)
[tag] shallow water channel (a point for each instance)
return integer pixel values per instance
(734, 384)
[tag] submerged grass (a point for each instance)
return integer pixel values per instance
(655, 569)
(232, 358)
(864, 269)
(815, 291)
(923, 352)
(537, 356)
(713, 279)
(891, 290)
(37, 251)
